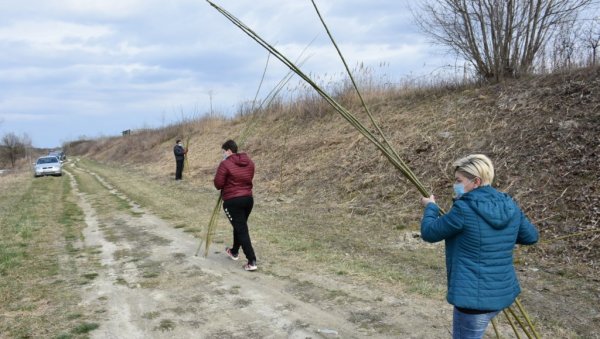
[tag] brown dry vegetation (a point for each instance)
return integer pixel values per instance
(542, 133)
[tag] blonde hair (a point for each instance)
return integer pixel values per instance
(476, 165)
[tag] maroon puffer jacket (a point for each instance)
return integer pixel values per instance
(234, 176)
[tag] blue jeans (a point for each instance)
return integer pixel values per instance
(470, 326)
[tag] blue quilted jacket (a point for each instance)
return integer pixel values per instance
(480, 231)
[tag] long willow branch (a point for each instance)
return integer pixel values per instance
(386, 143)
(527, 318)
(391, 156)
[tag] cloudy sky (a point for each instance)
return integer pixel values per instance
(71, 68)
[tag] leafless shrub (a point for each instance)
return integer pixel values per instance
(14, 147)
(590, 38)
(501, 39)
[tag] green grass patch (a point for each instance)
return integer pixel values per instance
(85, 328)
(136, 214)
(150, 275)
(90, 276)
(40, 224)
(165, 325)
(10, 258)
(74, 316)
(151, 315)
(121, 281)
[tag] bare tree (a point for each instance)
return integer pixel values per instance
(14, 147)
(500, 38)
(565, 45)
(591, 38)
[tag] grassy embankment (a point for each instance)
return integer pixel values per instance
(328, 201)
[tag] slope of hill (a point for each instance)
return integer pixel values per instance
(541, 132)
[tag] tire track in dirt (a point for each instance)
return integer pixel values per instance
(152, 286)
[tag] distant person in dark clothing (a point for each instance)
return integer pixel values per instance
(234, 179)
(180, 153)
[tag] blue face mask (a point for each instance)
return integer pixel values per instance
(459, 189)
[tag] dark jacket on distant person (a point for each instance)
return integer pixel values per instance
(480, 231)
(179, 152)
(234, 176)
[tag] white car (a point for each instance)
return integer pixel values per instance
(48, 165)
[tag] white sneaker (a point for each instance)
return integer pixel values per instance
(250, 267)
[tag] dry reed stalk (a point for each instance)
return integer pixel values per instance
(520, 322)
(570, 236)
(511, 324)
(186, 166)
(211, 226)
(495, 326)
(529, 322)
(358, 92)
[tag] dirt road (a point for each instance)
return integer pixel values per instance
(147, 283)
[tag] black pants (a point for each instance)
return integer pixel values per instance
(178, 169)
(238, 210)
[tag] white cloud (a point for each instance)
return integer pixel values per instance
(24, 117)
(119, 8)
(76, 9)
(102, 62)
(51, 32)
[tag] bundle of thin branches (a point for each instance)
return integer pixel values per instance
(186, 166)
(212, 224)
(522, 320)
(379, 140)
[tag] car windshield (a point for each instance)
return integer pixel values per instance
(47, 160)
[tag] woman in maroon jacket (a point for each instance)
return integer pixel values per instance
(234, 179)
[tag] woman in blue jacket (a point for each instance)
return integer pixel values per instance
(480, 231)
